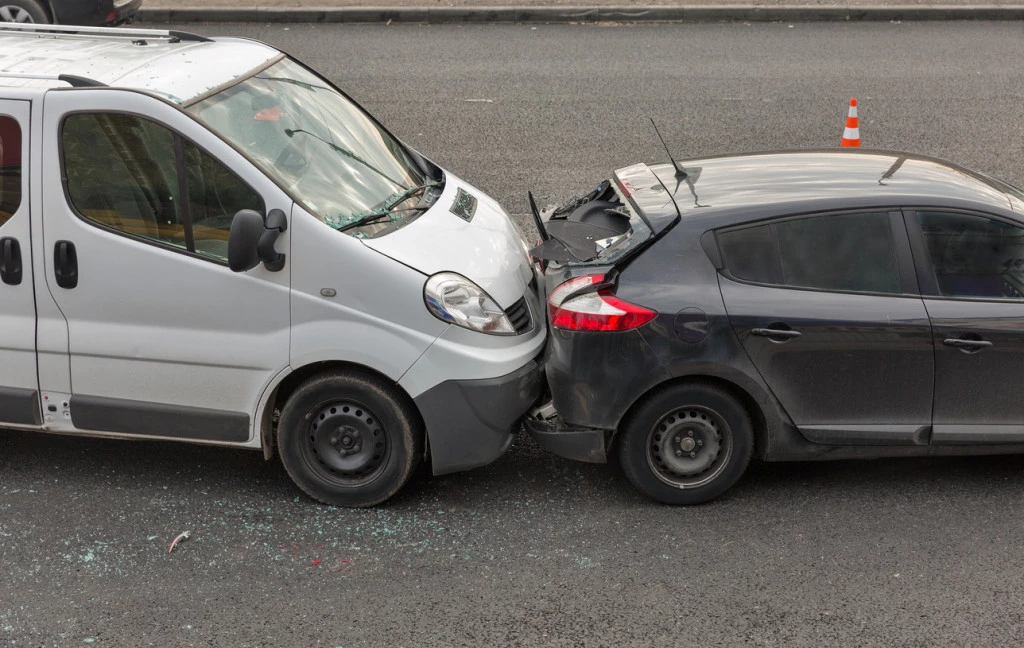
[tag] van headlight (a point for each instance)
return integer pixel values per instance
(454, 299)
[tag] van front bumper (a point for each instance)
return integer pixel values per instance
(470, 423)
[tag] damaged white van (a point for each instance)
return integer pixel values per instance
(203, 240)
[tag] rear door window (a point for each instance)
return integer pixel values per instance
(752, 254)
(833, 252)
(10, 167)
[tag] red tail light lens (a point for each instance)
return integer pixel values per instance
(598, 310)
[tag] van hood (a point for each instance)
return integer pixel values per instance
(486, 248)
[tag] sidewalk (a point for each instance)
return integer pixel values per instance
(488, 11)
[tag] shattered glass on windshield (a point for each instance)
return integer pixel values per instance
(318, 145)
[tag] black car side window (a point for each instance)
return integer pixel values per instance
(974, 256)
(836, 252)
(751, 254)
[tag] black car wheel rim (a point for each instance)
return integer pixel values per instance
(348, 443)
(689, 446)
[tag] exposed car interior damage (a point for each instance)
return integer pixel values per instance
(584, 227)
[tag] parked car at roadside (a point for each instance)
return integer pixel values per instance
(69, 12)
(220, 246)
(786, 305)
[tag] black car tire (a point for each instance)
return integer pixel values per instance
(656, 444)
(349, 439)
(33, 8)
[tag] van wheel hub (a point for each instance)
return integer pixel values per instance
(347, 440)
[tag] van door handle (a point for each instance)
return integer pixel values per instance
(65, 264)
(776, 334)
(10, 261)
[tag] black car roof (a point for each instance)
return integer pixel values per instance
(827, 179)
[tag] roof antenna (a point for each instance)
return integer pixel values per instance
(680, 171)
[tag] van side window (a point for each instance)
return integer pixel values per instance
(122, 172)
(215, 195)
(10, 167)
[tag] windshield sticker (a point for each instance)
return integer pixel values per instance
(464, 206)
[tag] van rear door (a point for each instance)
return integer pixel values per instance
(19, 387)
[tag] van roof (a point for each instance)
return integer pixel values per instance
(174, 65)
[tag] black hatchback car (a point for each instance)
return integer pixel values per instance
(789, 305)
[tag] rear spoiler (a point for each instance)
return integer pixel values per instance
(648, 196)
(570, 241)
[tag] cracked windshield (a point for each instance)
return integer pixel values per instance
(323, 149)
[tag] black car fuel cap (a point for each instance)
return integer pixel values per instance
(691, 325)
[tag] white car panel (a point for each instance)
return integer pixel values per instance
(376, 316)
(487, 250)
(17, 314)
(154, 325)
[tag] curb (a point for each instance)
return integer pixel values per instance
(626, 13)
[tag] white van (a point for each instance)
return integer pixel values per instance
(203, 240)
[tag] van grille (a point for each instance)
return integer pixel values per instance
(519, 315)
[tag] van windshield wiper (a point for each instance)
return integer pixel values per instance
(388, 207)
(290, 132)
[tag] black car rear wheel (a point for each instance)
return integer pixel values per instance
(687, 444)
(23, 11)
(349, 439)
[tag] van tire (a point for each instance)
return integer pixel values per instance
(349, 438)
(687, 444)
(31, 7)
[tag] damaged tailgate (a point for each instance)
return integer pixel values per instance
(612, 223)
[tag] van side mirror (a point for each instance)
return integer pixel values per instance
(252, 240)
(276, 223)
(246, 229)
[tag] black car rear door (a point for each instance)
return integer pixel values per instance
(826, 306)
(971, 269)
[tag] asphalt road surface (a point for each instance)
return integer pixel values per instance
(535, 550)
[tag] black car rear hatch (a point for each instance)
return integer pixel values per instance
(611, 224)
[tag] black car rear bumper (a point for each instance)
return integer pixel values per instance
(581, 444)
(595, 377)
(470, 423)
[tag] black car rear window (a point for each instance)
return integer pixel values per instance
(752, 254)
(841, 252)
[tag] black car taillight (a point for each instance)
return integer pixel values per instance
(581, 304)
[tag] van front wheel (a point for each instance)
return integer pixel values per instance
(349, 439)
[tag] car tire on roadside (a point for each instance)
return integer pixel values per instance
(686, 444)
(349, 439)
(23, 11)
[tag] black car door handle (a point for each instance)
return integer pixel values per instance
(65, 264)
(10, 261)
(967, 344)
(783, 334)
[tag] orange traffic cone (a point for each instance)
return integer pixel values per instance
(851, 136)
